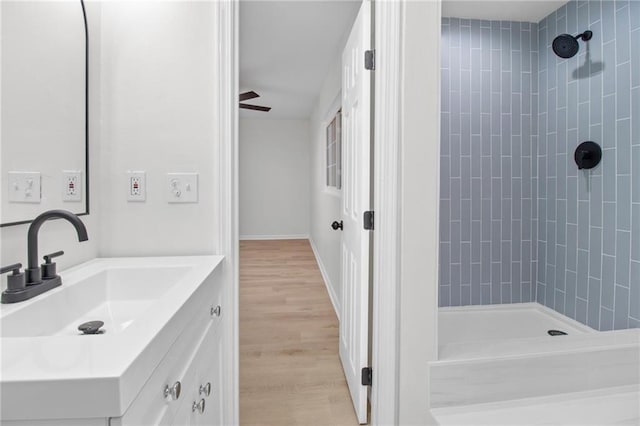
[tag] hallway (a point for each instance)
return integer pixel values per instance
(290, 372)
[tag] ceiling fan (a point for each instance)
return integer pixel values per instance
(251, 95)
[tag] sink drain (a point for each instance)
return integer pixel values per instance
(91, 327)
(556, 333)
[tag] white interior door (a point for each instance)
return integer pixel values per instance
(356, 148)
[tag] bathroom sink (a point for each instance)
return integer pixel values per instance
(145, 303)
(117, 296)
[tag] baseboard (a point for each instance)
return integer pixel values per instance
(275, 237)
(327, 280)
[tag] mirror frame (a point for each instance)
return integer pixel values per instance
(86, 123)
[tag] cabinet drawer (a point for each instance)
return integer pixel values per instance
(150, 406)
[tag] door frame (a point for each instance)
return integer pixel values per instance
(385, 318)
(406, 239)
(225, 164)
(406, 146)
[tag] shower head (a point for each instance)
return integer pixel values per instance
(566, 45)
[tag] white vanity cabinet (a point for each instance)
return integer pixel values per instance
(158, 362)
(185, 388)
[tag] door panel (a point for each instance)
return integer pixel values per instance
(356, 108)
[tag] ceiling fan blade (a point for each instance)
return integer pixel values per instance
(248, 95)
(255, 107)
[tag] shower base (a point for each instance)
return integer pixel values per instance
(464, 331)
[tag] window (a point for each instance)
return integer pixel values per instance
(334, 152)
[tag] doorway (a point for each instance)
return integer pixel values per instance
(292, 275)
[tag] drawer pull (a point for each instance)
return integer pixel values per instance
(173, 391)
(216, 311)
(205, 389)
(198, 406)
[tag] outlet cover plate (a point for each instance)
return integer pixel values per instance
(136, 186)
(24, 187)
(182, 187)
(71, 185)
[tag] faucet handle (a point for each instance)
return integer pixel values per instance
(15, 268)
(48, 267)
(16, 280)
(47, 257)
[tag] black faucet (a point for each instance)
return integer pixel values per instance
(37, 280)
(34, 275)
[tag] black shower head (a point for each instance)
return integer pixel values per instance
(566, 45)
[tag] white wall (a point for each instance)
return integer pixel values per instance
(159, 115)
(274, 178)
(325, 205)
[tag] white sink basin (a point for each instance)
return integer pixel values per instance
(144, 303)
(115, 295)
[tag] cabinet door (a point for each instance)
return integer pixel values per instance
(185, 416)
(210, 371)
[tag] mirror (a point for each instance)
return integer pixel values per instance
(44, 109)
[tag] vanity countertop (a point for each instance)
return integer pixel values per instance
(49, 370)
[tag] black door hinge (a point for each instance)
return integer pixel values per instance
(370, 60)
(368, 220)
(367, 373)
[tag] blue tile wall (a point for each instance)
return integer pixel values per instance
(589, 256)
(519, 222)
(488, 191)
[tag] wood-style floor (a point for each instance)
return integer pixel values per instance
(290, 372)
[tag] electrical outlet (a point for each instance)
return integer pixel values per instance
(182, 187)
(136, 186)
(71, 185)
(24, 187)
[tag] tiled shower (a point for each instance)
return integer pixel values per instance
(519, 221)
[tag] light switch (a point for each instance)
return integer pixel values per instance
(24, 187)
(182, 187)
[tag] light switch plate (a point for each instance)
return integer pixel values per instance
(182, 187)
(71, 185)
(136, 186)
(24, 187)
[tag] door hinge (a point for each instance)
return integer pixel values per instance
(370, 60)
(368, 220)
(367, 373)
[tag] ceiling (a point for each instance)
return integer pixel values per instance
(286, 50)
(500, 10)
(287, 47)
